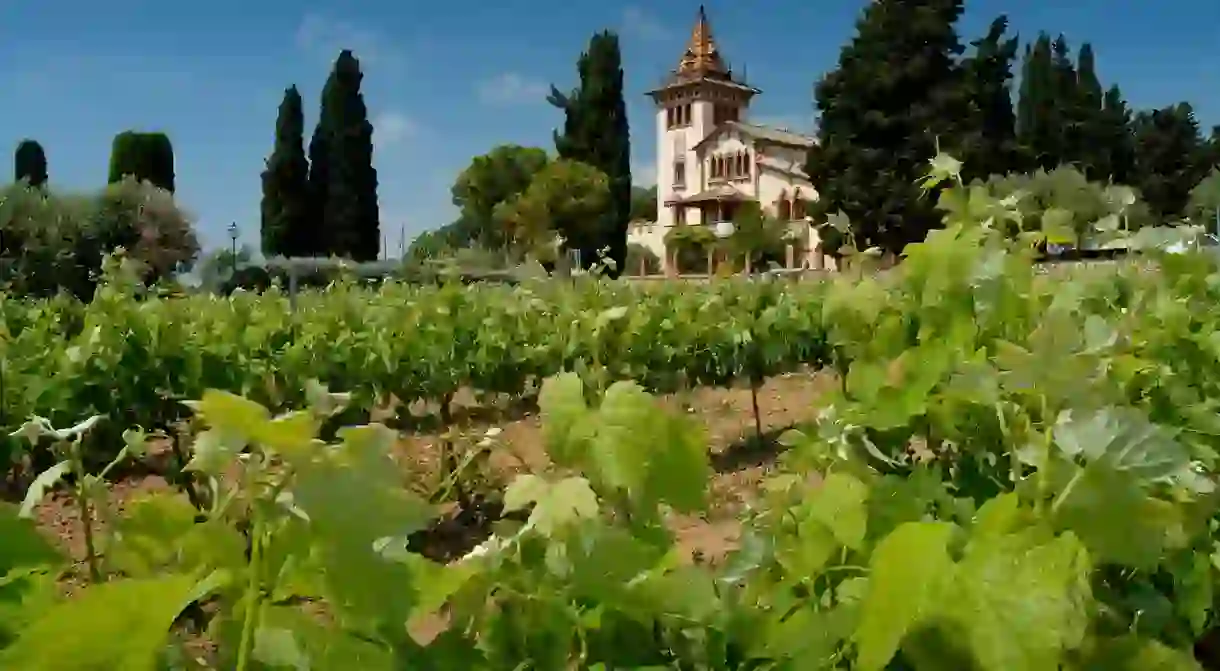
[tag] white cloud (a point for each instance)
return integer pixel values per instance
(391, 128)
(641, 24)
(511, 88)
(326, 36)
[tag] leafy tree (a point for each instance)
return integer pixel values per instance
(596, 133)
(217, 267)
(560, 200)
(896, 93)
(1212, 150)
(757, 238)
(144, 156)
(163, 233)
(1169, 157)
(30, 163)
(1204, 204)
(989, 142)
(56, 242)
(643, 203)
(344, 184)
(491, 179)
(286, 229)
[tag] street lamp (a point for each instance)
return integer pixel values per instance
(233, 233)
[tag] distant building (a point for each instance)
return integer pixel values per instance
(710, 159)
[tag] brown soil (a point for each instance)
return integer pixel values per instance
(741, 465)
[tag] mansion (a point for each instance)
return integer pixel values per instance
(710, 159)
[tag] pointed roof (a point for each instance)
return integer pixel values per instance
(702, 57)
(701, 62)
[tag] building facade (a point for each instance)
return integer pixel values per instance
(711, 159)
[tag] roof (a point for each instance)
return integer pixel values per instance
(718, 192)
(778, 136)
(787, 167)
(701, 61)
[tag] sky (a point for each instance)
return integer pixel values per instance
(446, 81)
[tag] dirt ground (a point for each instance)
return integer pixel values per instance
(726, 413)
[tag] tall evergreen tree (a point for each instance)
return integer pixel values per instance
(1066, 90)
(1170, 158)
(991, 139)
(1115, 138)
(144, 156)
(896, 93)
(30, 163)
(596, 132)
(285, 208)
(1037, 117)
(319, 187)
(345, 182)
(1093, 158)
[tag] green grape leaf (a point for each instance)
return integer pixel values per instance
(1133, 653)
(564, 417)
(1125, 440)
(841, 503)
(120, 624)
(356, 509)
(1116, 520)
(212, 452)
(236, 417)
(23, 546)
(1021, 604)
(555, 504)
(909, 571)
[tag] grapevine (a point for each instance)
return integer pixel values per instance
(1016, 473)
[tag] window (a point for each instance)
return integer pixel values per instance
(798, 205)
(732, 166)
(783, 208)
(680, 173)
(723, 113)
(678, 116)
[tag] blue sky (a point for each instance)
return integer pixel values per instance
(446, 81)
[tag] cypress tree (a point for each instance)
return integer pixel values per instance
(285, 205)
(1037, 120)
(990, 139)
(30, 163)
(1115, 137)
(1069, 143)
(126, 157)
(148, 157)
(596, 133)
(895, 93)
(317, 241)
(160, 153)
(347, 180)
(1094, 159)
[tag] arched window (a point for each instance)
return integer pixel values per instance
(783, 208)
(798, 205)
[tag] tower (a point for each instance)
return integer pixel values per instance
(696, 97)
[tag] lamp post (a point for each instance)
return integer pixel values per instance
(233, 233)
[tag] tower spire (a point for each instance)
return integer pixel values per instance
(702, 57)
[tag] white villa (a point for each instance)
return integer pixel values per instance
(710, 159)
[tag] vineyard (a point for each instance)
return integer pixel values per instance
(1003, 469)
